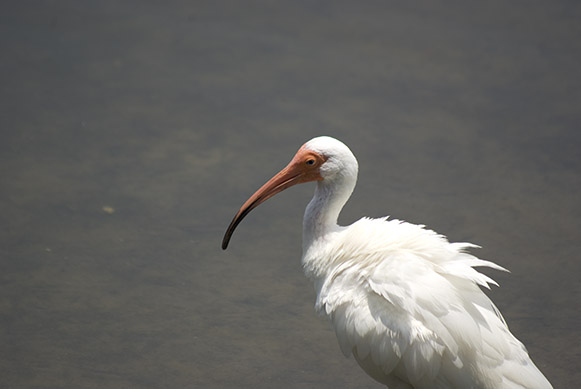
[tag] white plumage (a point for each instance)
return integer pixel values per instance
(404, 301)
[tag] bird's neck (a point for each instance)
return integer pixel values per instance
(323, 210)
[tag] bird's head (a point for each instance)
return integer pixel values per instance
(320, 159)
(339, 160)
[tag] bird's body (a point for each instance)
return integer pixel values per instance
(411, 312)
(404, 301)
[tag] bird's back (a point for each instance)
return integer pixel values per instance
(407, 304)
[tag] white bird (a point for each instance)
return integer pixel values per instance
(401, 298)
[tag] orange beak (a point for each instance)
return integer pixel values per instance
(304, 167)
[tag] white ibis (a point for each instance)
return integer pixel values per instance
(402, 299)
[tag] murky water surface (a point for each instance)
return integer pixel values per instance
(132, 132)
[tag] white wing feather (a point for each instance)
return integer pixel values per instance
(407, 304)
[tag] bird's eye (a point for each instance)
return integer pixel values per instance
(310, 161)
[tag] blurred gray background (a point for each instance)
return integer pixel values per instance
(131, 132)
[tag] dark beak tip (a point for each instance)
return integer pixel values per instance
(225, 242)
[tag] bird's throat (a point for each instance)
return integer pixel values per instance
(323, 210)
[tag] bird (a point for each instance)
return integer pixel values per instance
(401, 298)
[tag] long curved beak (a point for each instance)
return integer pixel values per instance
(295, 172)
